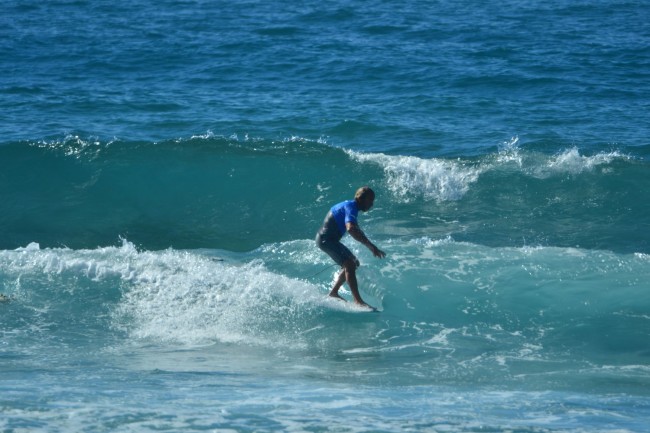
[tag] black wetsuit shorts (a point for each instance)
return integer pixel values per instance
(328, 239)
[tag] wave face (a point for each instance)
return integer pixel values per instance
(452, 313)
(515, 267)
(237, 194)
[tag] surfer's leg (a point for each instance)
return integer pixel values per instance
(350, 272)
(351, 279)
(343, 257)
(337, 285)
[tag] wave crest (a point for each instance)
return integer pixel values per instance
(409, 177)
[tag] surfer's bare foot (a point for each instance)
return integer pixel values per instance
(363, 304)
(336, 295)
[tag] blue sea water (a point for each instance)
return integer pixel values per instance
(164, 167)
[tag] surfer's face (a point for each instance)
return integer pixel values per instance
(366, 203)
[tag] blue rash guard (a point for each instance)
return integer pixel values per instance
(343, 213)
(329, 236)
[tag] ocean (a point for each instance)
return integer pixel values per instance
(164, 168)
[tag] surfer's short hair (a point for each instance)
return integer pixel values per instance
(363, 192)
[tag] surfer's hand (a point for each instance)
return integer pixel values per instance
(377, 252)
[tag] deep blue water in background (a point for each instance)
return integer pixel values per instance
(165, 165)
(425, 78)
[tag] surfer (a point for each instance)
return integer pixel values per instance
(342, 218)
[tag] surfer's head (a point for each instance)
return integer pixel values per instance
(365, 198)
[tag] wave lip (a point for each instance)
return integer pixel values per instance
(572, 162)
(409, 177)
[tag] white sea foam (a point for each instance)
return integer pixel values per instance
(567, 162)
(410, 177)
(177, 296)
(268, 297)
(509, 152)
(571, 161)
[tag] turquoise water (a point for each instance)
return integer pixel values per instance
(164, 168)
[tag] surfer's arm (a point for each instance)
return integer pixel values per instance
(358, 235)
